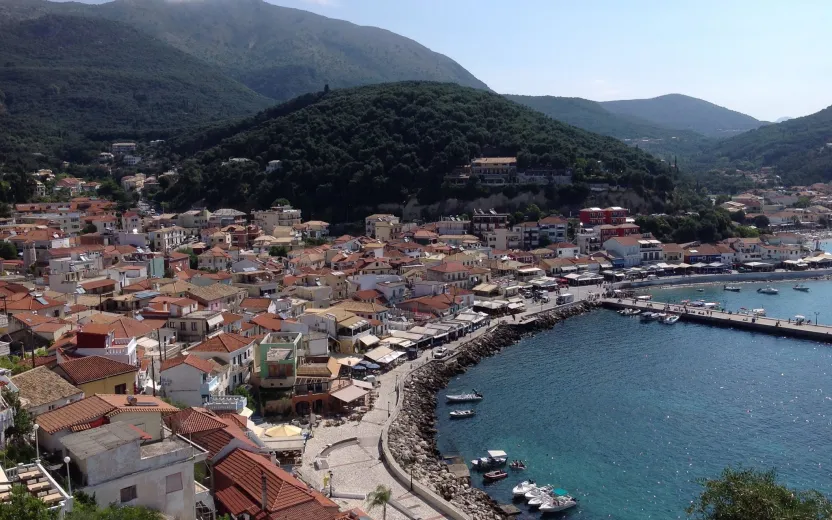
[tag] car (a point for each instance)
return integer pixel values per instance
(440, 352)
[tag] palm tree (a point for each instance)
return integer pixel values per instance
(380, 497)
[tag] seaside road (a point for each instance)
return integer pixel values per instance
(357, 467)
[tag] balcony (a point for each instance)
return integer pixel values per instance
(209, 386)
(233, 403)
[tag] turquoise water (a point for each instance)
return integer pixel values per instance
(628, 415)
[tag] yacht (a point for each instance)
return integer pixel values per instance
(648, 316)
(495, 459)
(558, 503)
(523, 488)
(461, 414)
(541, 499)
(537, 492)
(768, 290)
(464, 398)
(801, 288)
(732, 288)
(671, 319)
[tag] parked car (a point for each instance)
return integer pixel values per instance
(440, 352)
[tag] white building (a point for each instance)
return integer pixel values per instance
(284, 216)
(118, 466)
(503, 239)
(233, 350)
(124, 147)
(165, 239)
(192, 380)
(627, 248)
(371, 221)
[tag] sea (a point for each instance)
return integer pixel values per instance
(630, 416)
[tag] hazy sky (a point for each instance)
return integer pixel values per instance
(766, 58)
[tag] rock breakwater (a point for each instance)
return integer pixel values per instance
(412, 435)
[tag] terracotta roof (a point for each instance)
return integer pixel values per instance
(27, 302)
(228, 342)
(79, 412)
(194, 420)
(41, 386)
(267, 321)
(121, 326)
(215, 440)
(194, 361)
(287, 498)
(213, 292)
(238, 419)
(256, 304)
(450, 267)
(95, 284)
(94, 368)
(228, 318)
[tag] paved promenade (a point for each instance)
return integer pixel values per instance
(357, 467)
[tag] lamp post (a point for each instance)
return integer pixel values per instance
(68, 480)
(816, 317)
(35, 428)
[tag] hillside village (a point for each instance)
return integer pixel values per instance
(179, 343)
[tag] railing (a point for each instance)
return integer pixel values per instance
(226, 402)
(210, 385)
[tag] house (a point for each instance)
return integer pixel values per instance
(230, 349)
(255, 306)
(35, 303)
(96, 374)
(265, 323)
(595, 216)
(315, 229)
(440, 305)
(41, 390)
(215, 258)
(167, 238)
(451, 273)
(285, 216)
(673, 253)
(248, 485)
(197, 325)
(483, 222)
(564, 249)
(627, 248)
(277, 360)
(703, 253)
(191, 380)
(144, 412)
(347, 328)
(367, 310)
(98, 339)
(371, 222)
(218, 297)
(503, 239)
(530, 234)
(117, 465)
(554, 228)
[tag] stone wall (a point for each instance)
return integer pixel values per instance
(412, 435)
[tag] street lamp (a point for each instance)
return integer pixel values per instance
(816, 318)
(35, 428)
(68, 480)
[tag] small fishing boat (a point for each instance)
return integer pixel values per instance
(523, 488)
(493, 476)
(464, 398)
(538, 491)
(461, 414)
(495, 459)
(635, 312)
(517, 464)
(700, 290)
(768, 290)
(732, 288)
(671, 319)
(801, 288)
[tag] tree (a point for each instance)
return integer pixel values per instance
(89, 228)
(738, 216)
(533, 211)
(747, 494)
(8, 251)
(24, 506)
(278, 251)
(22, 429)
(823, 221)
(761, 222)
(379, 498)
(193, 259)
(86, 509)
(281, 202)
(543, 241)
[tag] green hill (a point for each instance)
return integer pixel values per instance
(278, 51)
(593, 117)
(799, 148)
(101, 78)
(348, 151)
(686, 113)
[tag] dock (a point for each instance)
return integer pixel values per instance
(768, 325)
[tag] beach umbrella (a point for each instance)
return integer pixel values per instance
(284, 430)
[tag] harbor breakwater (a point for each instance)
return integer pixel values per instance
(411, 436)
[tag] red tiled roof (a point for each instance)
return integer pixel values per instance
(228, 342)
(267, 321)
(95, 284)
(194, 420)
(93, 368)
(256, 304)
(196, 362)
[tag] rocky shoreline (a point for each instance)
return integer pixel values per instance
(412, 435)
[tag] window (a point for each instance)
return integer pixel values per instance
(182, 325)
(173, 483)
(128, 494)
(121, 389)
(193, 325)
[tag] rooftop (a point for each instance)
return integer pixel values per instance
(99, 405)
(99, 440)
(93, 368)
(41, 386)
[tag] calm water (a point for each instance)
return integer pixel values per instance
(627, 415)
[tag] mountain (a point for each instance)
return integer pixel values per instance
(686, 113)
(279, 52)
(800, 149)
(593, 117)
(99, 78)
(783, 119)
(348, 151)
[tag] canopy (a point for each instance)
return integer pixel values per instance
(359, 367)
(284, 430)
(684, 265)
(799, 317)
(497, 453)
(349, 394)
(371, 366)
(369, 340)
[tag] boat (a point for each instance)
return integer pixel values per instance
(671, 319)
(635, 312)
(801, 287)
(768, 290)
(461, 414)
(538, 491)
(523, 488)
(493, 476)
(558, 503)
(647, 316)
(495, 459)
(517, 464)
(540, 499)
(464, 398)
(700, 290)
(732, 288)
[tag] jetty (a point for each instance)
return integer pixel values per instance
(768, 325)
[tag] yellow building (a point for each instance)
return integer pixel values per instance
(99, 375)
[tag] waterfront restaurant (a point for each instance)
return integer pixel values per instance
(759, 267)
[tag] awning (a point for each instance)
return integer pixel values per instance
(369, 340)
(349, 361)
(362, 384)
(684, 265)
(377, 353)
(568, 268)
(349, 394)
(389, 358)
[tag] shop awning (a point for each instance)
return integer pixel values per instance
(369, 340)
(349, 394)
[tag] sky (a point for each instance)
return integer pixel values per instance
(765, 58)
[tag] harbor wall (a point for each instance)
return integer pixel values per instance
(728, 278)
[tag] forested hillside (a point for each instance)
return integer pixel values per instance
(686, 113)
(278, 51)
(347, 151)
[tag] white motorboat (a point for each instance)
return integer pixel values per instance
(648, 316)
(801, 288)
(556, 504)
(758, 312)
(732, 288)
(537, 491)
(523, 488)
(540, 499)
(461, 414)
(768, 290)
(464, 398)
(671, 319)
(495, 458)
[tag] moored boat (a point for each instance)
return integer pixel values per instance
(558, 503)
(495, 458)
(801, 288)
(648, 316)
(493, 476)
(538, 491)
(768, 290)
(464, 398)
(732, 288)
(461, 414)
(670, 319)
(517, 464)
(523, 488)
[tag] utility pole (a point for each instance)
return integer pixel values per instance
(153, 374)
